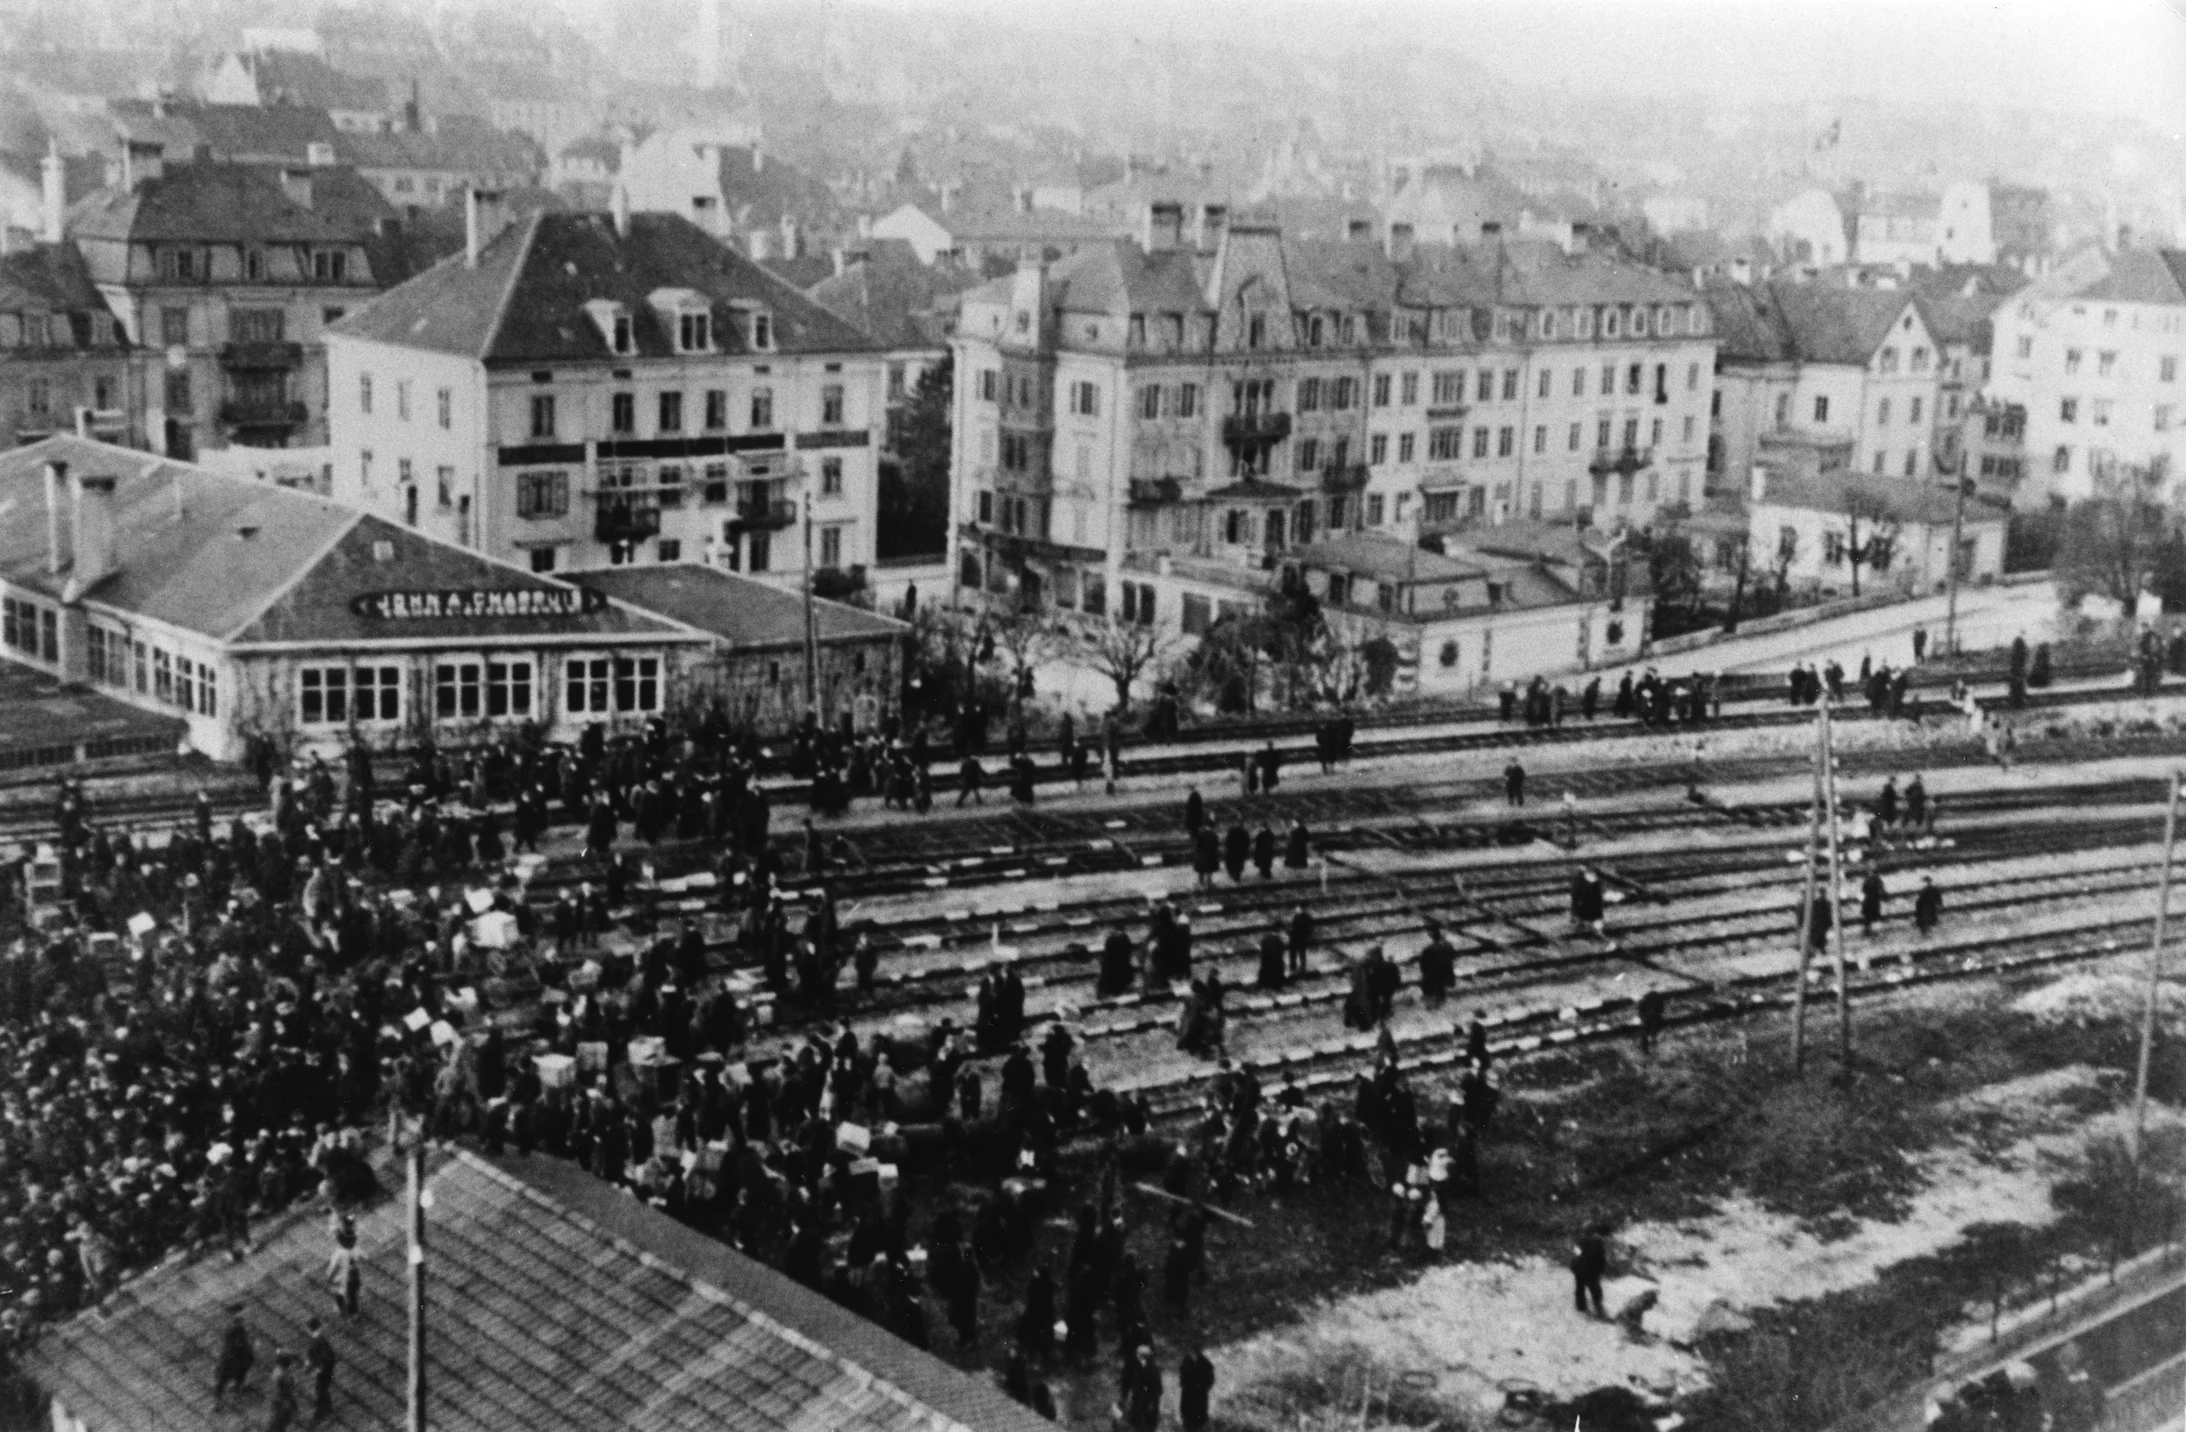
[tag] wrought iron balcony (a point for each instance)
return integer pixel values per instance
(1621, 459)
(625, 517)
(263, 413)
(257, 355)
(771, 515)
(1255, 430)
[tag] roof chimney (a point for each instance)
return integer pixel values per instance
(842, 260)
(789, 237)
(1164, 227)
(59, 530)
(481, 221)
(93, 536)
(55, 177)
(1213, 219)
(618, 204)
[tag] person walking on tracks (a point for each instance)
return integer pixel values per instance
(1927, 905)
(1872, 894)
(1514, 783)
(1301, 938)
(1652, 1006)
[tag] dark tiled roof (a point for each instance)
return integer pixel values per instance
(241, 131)
(1778, 322)
(203, 203)
(289, 77)
(524, 302)
(1013, 225)
(2139, 276)
(555, 1303)
(48, 278)
(453, 147)
(763, 191)
(801, 272)
(739, 610)
(1120, 277)
(891, 295)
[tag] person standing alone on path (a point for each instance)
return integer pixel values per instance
(1589, 1260)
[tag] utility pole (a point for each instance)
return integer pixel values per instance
(1958, 532)
(413, 1150)
(812, 646)
(1836, 886)
(1806, 910)
(2155, 976)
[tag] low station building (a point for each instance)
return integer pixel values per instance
(253, 611)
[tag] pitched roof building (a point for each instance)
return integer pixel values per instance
(1818, 377)
(584, 390)
(1167, 420)
(555, 1302)
(62, 356)
(248, 608)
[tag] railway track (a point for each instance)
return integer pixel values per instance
(1401, 734)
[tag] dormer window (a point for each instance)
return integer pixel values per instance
(686, 313)
(613, 322)
(758, 325)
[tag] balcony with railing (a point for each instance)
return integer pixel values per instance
(1344, 477)
(248, 412)
(1627, 458)
(261, 355)
(620, 516)
(1254, 430)
(769, 514)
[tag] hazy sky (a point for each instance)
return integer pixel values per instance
(2110, 56)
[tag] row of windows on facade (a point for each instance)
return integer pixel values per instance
(194, 263)
(751, 551)
(1339, 394)
(245, 325)
(477, 690)
(543, 495)
(2101, 410)
(2167, 322)
(56, 330)
(668, 413)
(1447, 444)
(112, 658)
(39, 393)
(1441, 325)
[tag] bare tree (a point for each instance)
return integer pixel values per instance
(1122, 651)
(1787, 553)
(1026, 637)
(1882, 534)
(2116, 542)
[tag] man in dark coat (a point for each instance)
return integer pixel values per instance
(319, 1353)
(1236, 850)
(1118, 964)
(1927, 905)
(1301, 938)
(1437, 967)
(1589, 1261)
(1872, 894)
(236, 1356)
(1194, 1388)
(1273, 972)
(1514, 784)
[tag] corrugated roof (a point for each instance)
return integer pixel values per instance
(736, 608)
(525, 301)
(555, 1303)
(203, 203)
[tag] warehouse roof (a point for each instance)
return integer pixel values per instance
(555, 1301)
(247, 562)
(738, 609)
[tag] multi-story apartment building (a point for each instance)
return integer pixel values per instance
(1149, 414)
(228, 273)
(2091, 354)
(1816, 378)
(65, 365)
(582, 390)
